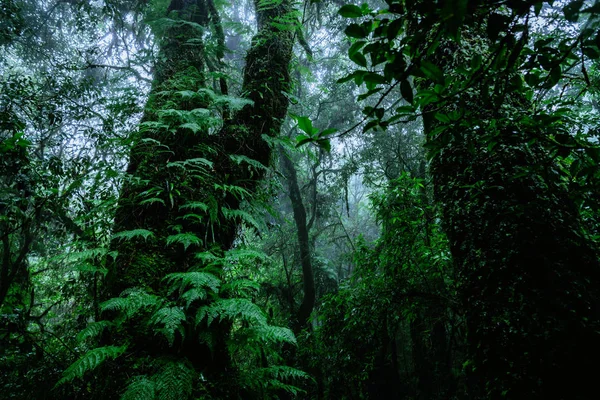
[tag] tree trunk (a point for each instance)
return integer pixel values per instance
(308, 279)
(529, 277)
(180, 161)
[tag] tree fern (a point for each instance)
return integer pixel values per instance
(175, 381)
(140, 388)
(89, 361)
(93, 329)
(169, 320)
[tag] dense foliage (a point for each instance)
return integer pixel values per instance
(275, 199)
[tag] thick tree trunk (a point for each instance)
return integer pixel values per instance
(529, 278)
(178, 161)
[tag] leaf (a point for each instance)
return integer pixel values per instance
(325, 144)
(140, 388)
(356, 31)
(432, 71)
(186, 239)
(89, 361)
(175, 381)
(169, 320)
(128, 235)
(93, 329)
(350, 11)
(356, 46)
(406, 91)
(359, 59)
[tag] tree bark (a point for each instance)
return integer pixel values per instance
(529, 277)
(308, 279)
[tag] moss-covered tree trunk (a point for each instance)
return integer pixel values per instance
(193, 164)
(529, 277)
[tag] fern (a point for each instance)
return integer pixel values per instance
(135, 301)
(141, 388)
(171, 320)
(232, 309)
(89, 361)
(243, 215)
(192, 295)
(196, 279)
(175, 381)
(152, 200)
(271, 334)
(237, 191)
(240, 288)
(186, 239)
(93, 329)
(128, 235)
(194, 205)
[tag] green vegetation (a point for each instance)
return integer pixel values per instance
(275, 199)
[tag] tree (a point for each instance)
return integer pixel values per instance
(528, 269)
(198, 157)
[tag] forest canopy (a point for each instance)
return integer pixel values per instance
(284, 199)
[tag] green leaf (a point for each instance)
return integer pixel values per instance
(325, 144)
(407, 91)
(89, 361)
(432, 71)
(186, 239)
(356, 31)
(128, 235)
(359, 59)
(305, 125)
(350, 11)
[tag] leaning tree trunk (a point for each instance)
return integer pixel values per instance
(529, 278)
(190, 171)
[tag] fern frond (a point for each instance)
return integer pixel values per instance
(128, 235)
(140, 388)
(240, 288)
(175, 381)
(192, 295)
(194, 205)
(89, 361)
(195, 279)
(234, 103)
(238, 159)
(152, 200)
(89, 267)
(186, 239)
(135, 301)
(229, 213)
(232, 309)
(169, 320)
(237, 191)
(284, 372)
(93, 329)
(271, 334)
